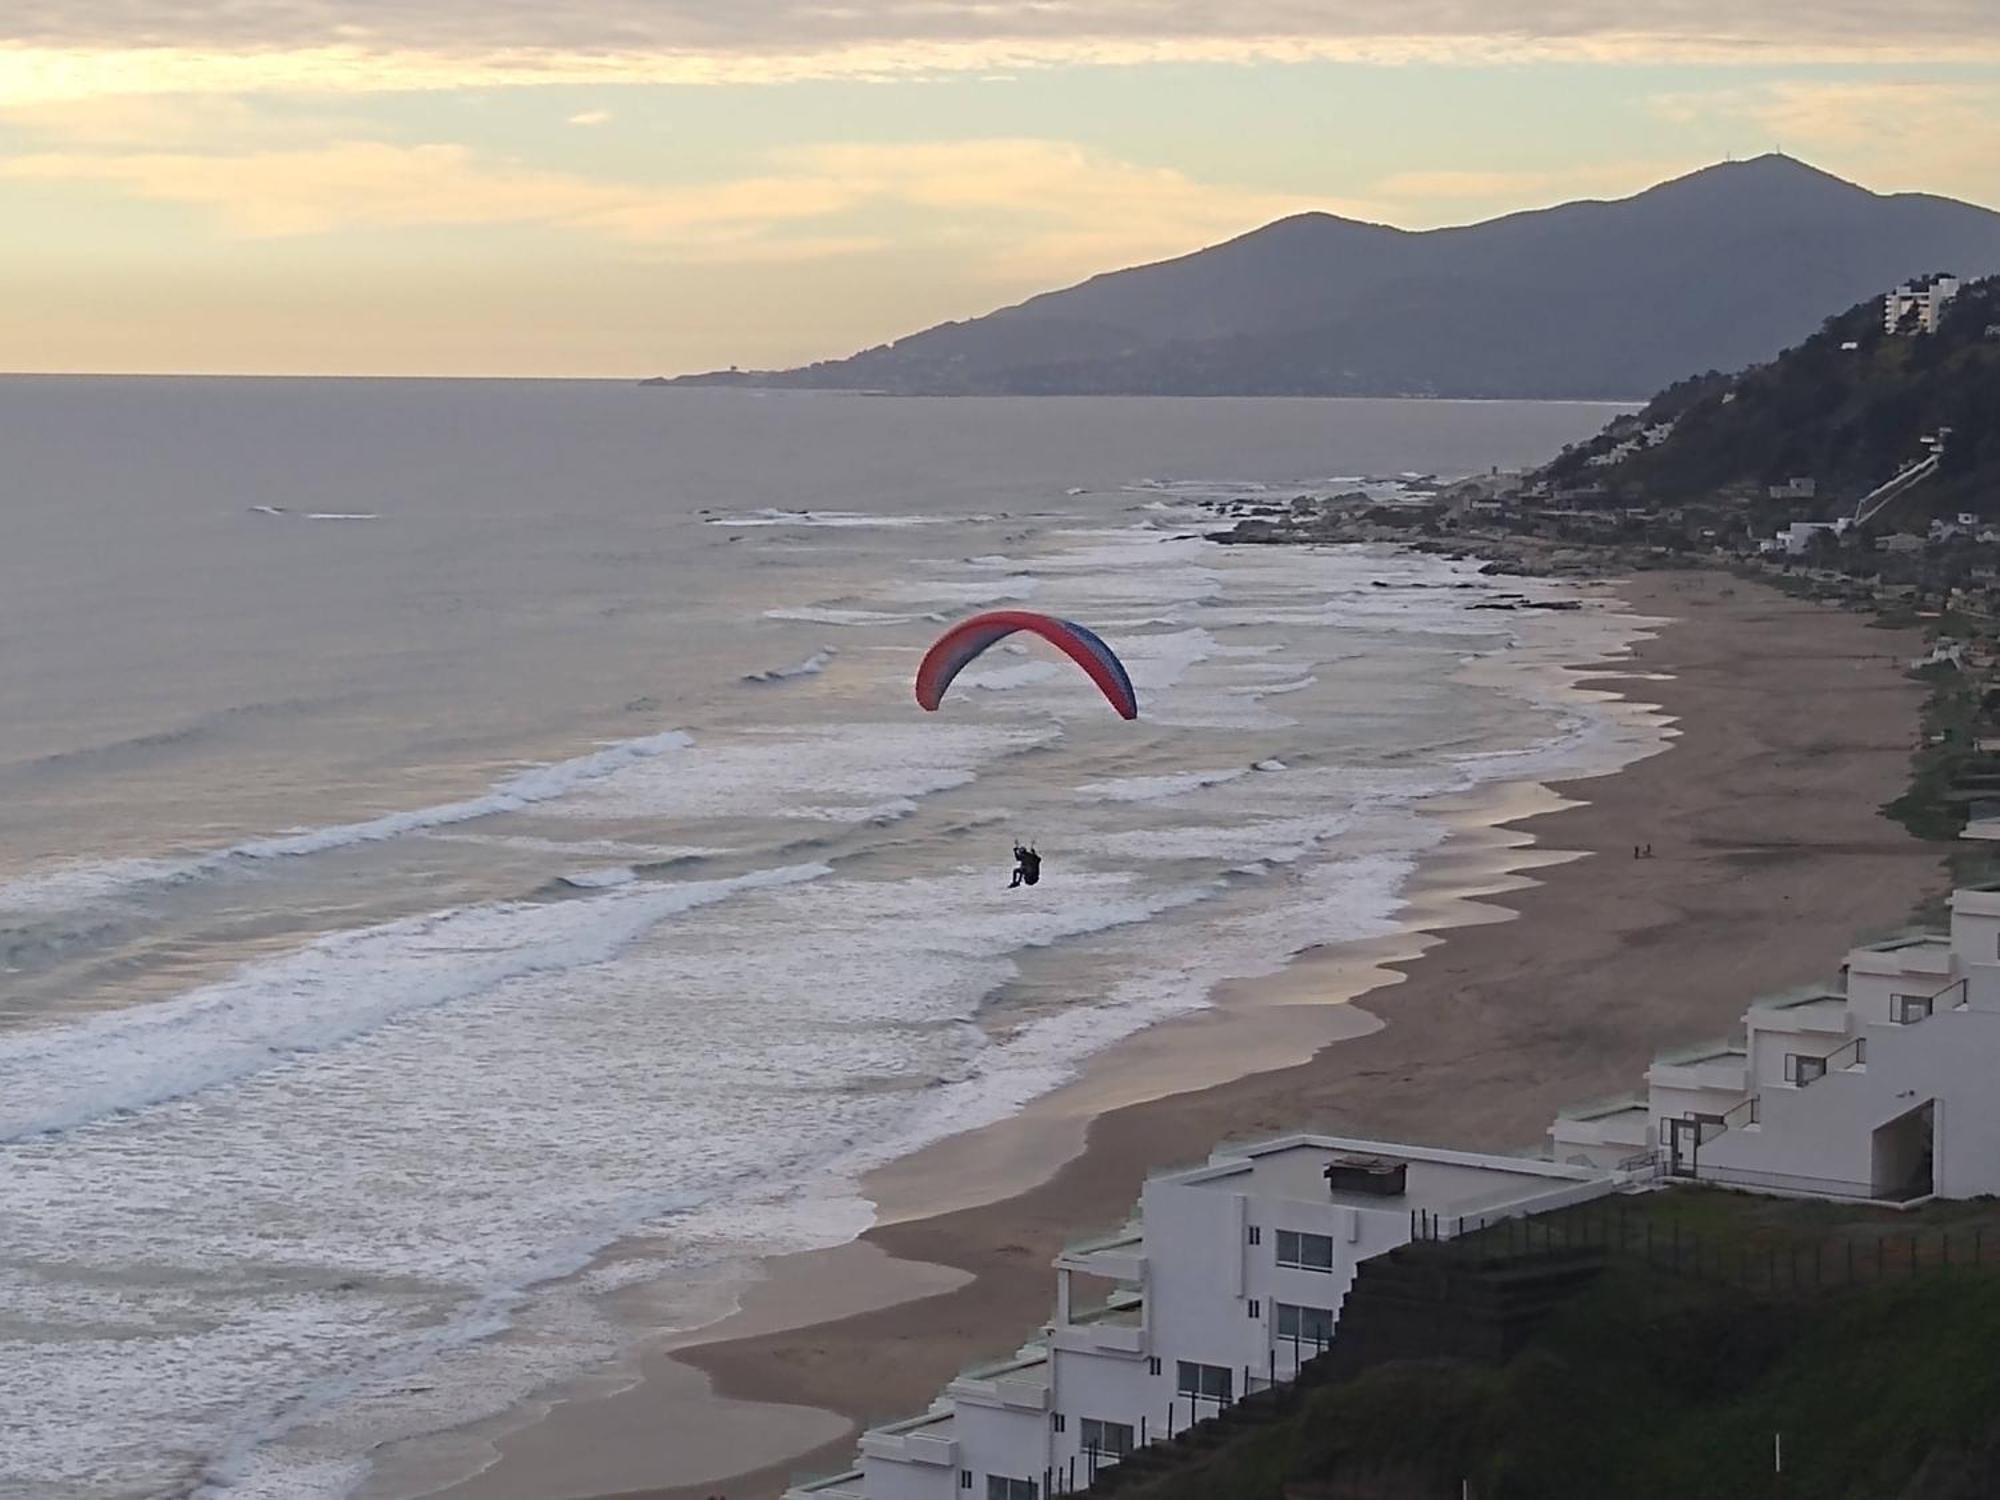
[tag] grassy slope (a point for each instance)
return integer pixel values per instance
(1652, 1385)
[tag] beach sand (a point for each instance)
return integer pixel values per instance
(1794, 723)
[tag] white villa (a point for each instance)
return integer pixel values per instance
(1879, 1086)
(1925, 297)
(1230, 1278)
(1876, 1088)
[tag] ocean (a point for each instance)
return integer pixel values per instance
(449, 829)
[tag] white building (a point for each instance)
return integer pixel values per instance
(1925, 297)
(1796, 539)
(1231, 1277)
(1880, 1086)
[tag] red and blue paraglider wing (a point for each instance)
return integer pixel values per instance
(965, 640)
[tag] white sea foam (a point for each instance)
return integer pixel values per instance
(80, 884)
(1000, 679)
(857, 773)
(338, 988)
(817, 614)
(600, 880)
(1155, 788)
(812, 666)
(967, 593)
(1274, 689)
(832, 519)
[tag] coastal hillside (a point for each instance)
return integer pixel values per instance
(1846, 410)
(1753, 1347)
(1715, 270)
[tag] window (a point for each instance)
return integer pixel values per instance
(1000, 1487)
(1906, 1010)
(1206, 1382)
(1802, 1070)
(1256, 1308)
(1107, 1439)
(1306, 1252)
(1256, 1234)
(965, 1479)
(1153, 1365)
(1304, 1325)
(1057, 1421)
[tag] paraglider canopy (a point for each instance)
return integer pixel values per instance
(950, 653)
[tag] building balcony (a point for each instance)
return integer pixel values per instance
(1111, 1257)
(1021, 1383)
(931, 1439)
(1816, 1010)
(1716, 1067)
(1904, 953)
(1620, 1127)
(1118, 1327)
(848, 1486)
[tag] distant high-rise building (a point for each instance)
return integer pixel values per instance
(1924, 297)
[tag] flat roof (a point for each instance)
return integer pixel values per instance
(1438, 1181)
(1811, 1004)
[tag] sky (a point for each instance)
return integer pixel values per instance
(626, 187)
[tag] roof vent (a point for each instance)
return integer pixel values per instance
(1373, 1175)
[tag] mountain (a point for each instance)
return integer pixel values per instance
(1718, 269)
(1848, 408)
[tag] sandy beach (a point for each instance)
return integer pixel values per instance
(1541, 965)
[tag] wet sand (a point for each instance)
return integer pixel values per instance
(1545, 966)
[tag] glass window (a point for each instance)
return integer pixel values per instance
(1000, 1487)
(1305, 1252)
(1308, 1325)
(1206, 1382)
(1107, 1438)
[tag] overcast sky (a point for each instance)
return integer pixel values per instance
(622, 186)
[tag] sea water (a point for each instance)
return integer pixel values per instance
(449, 828)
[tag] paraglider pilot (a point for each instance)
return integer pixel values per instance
(1027, 867)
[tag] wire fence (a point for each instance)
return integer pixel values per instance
(1754, 1257)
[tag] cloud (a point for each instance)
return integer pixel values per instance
(1440, 196)
(1003, 208)
(1894, 133)
(67, 48)
(591, 117)
(374, 185)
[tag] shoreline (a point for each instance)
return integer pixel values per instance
(955, 1267)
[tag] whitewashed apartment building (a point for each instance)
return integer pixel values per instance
(1926, 297)
(1880, 1085)
(1231, 1276)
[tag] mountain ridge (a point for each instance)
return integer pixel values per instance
(1597, 298)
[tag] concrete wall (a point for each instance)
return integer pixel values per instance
(888, 1480)
(1001, 1440)
(1827, 1131)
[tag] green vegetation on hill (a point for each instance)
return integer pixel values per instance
(1650, 1384)
(1847, 418)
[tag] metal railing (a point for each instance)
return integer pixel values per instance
(1744, 1256)
(1853, 1055)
